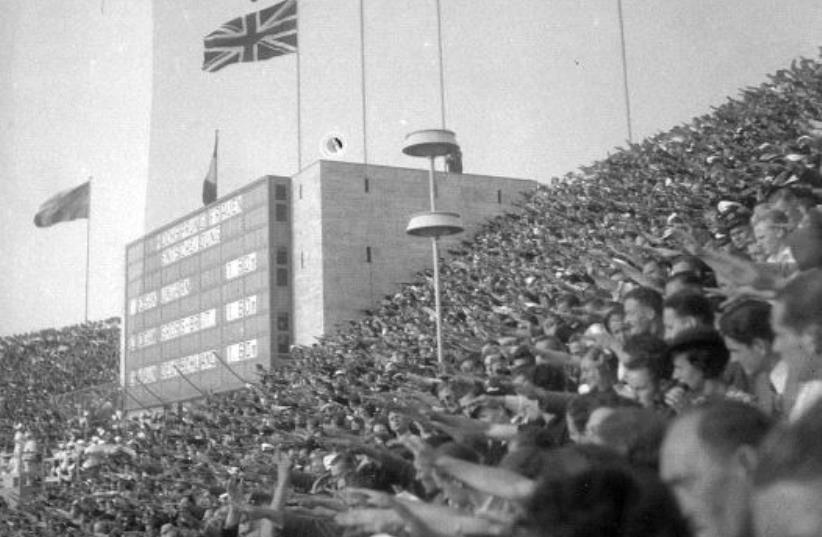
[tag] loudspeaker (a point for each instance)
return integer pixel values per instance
(332, 145)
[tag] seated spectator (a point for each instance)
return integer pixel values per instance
(788, 480)
(582, 407)
(689, 264)
(655, 272)
(683, 281)
(643, 312)
(647, 371)
(634, 433)
(699, 357)
(746, 328)
(737, 225)
(794, 203)
(604, 500)
(797, 327)
(598, 371)
(771, 229)
(806, 242)
(685, 310)
(707, 459)
(615, 322)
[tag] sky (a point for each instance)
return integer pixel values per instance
(113, 89)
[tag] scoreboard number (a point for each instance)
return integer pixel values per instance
(241, 265)
(241, 308)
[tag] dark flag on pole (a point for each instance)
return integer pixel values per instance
(68, 205)
(210, 181)
(264, 34)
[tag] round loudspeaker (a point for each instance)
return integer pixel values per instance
(332, 146)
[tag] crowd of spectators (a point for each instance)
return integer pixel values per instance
(637, 351)
(39, 366)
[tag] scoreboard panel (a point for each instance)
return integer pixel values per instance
(208, 297)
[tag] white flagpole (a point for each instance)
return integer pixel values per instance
(299, 99)
(442, 70)
(362, 85)
(88, 245)
(625, 72)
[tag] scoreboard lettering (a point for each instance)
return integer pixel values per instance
(191, 246)
(245, 350)
(199, 298)
(176, 290)
(188, 325)
(241, 308)
(242, 265)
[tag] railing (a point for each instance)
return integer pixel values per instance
(94, 401)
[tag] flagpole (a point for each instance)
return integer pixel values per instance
(625, 72)
(299, 101)
(442, 71)
(216, 163)
(362, 85)
(88, 245)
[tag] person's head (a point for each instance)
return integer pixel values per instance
(746, 328)
(770, 229)
(647, 366)
(684, 310)
(577, 345)
(495, 364)
(741, 237)
(655, 271)
(548, 377)
(566, 303)
(604, 499)
(527, 326)
(634, 433)
(698, 355)
(615, 321)
(788, 482)
(796, 320)
(794, 204)
(687, 263)
(805, 242)
(398, 422)
(598, 369)
(707, 458)
(580, 409)
(643, 311)
(522, 357)
(470, 366)
(341, 464)
(683, 281)
(543, 345)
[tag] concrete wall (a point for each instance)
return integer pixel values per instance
(306, 256)
(357, 219)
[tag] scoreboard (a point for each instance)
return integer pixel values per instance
(208, 297)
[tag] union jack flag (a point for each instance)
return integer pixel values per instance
(257, 36)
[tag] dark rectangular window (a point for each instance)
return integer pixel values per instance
(282, 256)
(302, 259)
(281, 212)
(301, 191)
(367, 254)
(280, 193)
(283, 343)
(499, 196)
(282, 322)
(282, 277)
(367, 186)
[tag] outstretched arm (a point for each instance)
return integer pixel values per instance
(488, 479)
